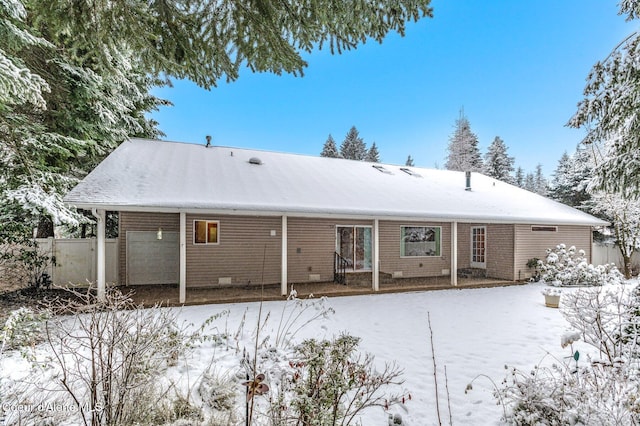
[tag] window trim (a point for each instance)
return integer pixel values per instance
(544, 228)
(207, 222)
(438, 243)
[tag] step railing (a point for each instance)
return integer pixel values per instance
(339, 269)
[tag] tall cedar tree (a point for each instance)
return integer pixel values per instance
(67, 101)
(464, 155)
(497, 163)
(353, 147)
(330, 149)
(409, 161)
(373, 156)
(571, 177)
(610, 111)
(540, 182)
(519, 179)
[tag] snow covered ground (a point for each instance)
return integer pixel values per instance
(475, 332)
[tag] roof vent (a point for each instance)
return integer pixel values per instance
(410, 172)
(467, 176)
(255, 160)
(381, 169)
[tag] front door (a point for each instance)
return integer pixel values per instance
(478, 247)
(354, 244)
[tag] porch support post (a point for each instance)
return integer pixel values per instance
(454, 253)
(283, 273)
(101, 279)
(183, 257)
(375, 276)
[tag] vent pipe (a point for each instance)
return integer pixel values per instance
(468, 179)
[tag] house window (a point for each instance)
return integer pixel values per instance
(420, 241)
(544, 228)
(205, 231)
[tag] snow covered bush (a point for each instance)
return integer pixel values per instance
(603, 389)
(22, 329)
(21, 262)
(569, 267)
(104, 363)
(329, 383)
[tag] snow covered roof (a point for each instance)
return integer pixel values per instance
(150, 175)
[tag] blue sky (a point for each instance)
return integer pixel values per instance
(518, 69)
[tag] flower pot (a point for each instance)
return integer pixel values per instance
(552, 300)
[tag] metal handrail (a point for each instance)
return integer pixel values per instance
(339, 269)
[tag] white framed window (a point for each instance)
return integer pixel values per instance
(540, 228)
(206, 232)
(420, 241)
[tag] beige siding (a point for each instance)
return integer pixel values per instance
(531, 244)
(312, 243)
(464, 244)
(247, 252)
(499, 255)
(131, 221)
(391, 262)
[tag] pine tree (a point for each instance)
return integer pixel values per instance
(353, 147)
(464, 154)
(409, 161)
(205, 41)
(571, 177)
(519, 179)
(76, 78)
(540, 182)
(497, 163)
(610, 112)
(373, 156)
(330, 149)
(530, 182)
(59, 130)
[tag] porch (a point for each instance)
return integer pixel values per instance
(168, 295)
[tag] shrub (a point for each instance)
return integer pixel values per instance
(604, 389)
(22, 330)
(330, 383)
(569, 267)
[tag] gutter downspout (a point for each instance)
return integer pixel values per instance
(100, 216)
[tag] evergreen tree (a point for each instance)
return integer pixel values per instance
(540, 182)
(64, 125)
(353, 147)
(373, 156)
(571, 177)
(464, 154)
(330, 149)
(497, 163)
(409, 161)
(519, 179)
(76, 77)
(530, 182)
(610, 111)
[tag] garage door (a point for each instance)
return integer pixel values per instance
(153, 261)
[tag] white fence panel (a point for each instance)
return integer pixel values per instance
(75, 260)
(602, 254)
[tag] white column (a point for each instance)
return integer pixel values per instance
(376, 259)
(283, 273)
(101, 279)
(454, 253)
(183, 257)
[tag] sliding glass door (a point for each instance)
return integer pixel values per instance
(354, 244)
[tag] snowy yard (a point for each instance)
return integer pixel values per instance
(475, 331)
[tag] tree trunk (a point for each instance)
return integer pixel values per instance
(626, 259)
(45, 227)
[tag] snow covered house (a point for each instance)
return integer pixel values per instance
(202, 216)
